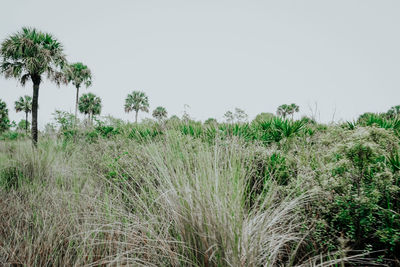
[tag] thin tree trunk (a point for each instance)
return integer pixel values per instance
(76, 105)
(26, 122)
(136, 116)
(35, 99)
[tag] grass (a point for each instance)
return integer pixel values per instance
(272, 193)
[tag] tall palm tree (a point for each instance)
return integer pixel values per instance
(78, 74)
(90, 104)
(30, 54)
(24, 104)
(136, 101)
(160, 113)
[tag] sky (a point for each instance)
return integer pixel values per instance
(335, 59)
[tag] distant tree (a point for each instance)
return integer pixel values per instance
(64, 119)
(23, 125)
(229, 116)
(186, 116)
(264, 116)
(24, 104)
(173, 119)
(136, 101)
(283, 110)
(30, 54)
(78, 74)
(211, 121)
(90, 104)
(4, 121)
(393, 112)
(240, 115)
(160, 113)
(293, 108)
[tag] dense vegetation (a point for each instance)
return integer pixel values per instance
(271, 192)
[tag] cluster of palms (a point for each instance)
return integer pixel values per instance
(30, 55)
(138, 101)
(284, 110)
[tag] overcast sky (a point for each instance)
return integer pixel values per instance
(216, 55)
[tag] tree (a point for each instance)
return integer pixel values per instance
(30, 54)
(229, 117)
(4, 121)
(64, 119)
(282, 110)
(211, 121)
(240, 115)
(23, 125)
(136, 101)
(89, 104)
(263, 116)
(292, 108)
(24, 104)
(160, 113)
(78, 74)
(393, 112)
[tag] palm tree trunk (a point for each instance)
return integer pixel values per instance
(35, 99)
(76, 105)
(26, 122)
(136, 116)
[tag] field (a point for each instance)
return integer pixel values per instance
(273, 192)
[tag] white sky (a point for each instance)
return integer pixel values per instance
(215, 55)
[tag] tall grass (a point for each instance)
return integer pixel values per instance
(189, 195)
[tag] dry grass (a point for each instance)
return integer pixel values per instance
(171, 203)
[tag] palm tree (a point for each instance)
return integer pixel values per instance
(229, 116)
(24, 104)
(30, 54)
(293, 108)
(78, 74)
(90, 104)
(393, 112)
(282, 110)
(136, 101)
(4, 121)
(160, 113)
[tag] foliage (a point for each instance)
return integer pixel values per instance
(211, 121)
(264, 116)
(23, 124)
(284, 110)
(30, 54)
(90, 104)
(64, 119)
(136, 101)
(4, 120)
(24, 104)
(78, 74)
(393, 112)
(239, 115)
(160, 113)
(275, 191)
